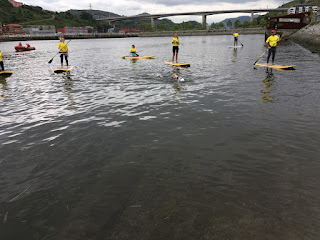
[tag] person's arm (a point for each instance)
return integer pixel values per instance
(281, 37)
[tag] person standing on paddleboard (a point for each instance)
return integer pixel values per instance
(63, 46)
(175, 48)
(272, 44)
(1, 62)
(236, 35)
(133, 51)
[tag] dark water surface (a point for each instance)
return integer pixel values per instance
(119, 150)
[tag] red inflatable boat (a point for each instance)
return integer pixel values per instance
(23, 48)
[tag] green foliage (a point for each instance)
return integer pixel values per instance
(237, 23)
(229, 23)
(245, 24)
(31, 15)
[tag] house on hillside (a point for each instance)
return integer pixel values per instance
(40, 30)
(302, 8)
(13, 29)
(15, 3)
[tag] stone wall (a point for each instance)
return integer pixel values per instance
(309, 37)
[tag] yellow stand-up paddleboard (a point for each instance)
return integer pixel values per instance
(62, 70)
(5, 73)
(280, 67)
(146, 57)
(178, 64)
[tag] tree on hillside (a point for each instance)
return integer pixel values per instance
(263, 22)
(254, 22)
(245, 24)
(221, 25)
(86, 16)
(229, 23)
(237, 23)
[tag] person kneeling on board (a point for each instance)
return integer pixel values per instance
(272, 44)
(1, 62)
(63, 46)
(236, 35)
(133, 52)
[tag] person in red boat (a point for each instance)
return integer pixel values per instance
(28, 45)
(20, 45)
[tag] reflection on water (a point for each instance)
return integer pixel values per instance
(4, 86)
(268, 83)
(124, 151)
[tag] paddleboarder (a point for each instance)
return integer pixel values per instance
(1, 62)
(133, 51)
(175, 48)
(236, 35)
(63, 47)
(271, 43)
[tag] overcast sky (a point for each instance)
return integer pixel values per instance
(133, 7)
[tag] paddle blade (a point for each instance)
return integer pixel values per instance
(50, 60)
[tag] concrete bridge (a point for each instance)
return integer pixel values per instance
(204, 15)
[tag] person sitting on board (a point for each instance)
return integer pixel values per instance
(272, 44)
(236, 35)
(133, 52)
(63, 46)
(178, 78)
(1, 62)
(175, 48)
(20, 44)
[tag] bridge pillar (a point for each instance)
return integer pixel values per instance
(204, 22)
(153, 23)
(112, 23)
(252, 13)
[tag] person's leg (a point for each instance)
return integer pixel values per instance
(66, 58)
(2, 67)
(273, 55)
(173, 54)
(269, 54)
(177, 51)
(61, 58)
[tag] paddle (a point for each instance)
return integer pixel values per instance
(240, 43)
(261, 56)
(56, 54)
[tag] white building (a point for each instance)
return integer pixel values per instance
(302, 8)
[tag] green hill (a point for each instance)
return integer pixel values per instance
(298, 2)
(31, 15)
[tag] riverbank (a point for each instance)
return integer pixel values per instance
(55, 37)
(245, 31)
(309, 37)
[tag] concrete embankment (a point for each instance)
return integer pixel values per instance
(55, 37)
(309, 37)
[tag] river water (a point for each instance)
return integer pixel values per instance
(120, 150)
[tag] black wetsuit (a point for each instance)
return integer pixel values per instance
(272, 51)
(1, 65)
